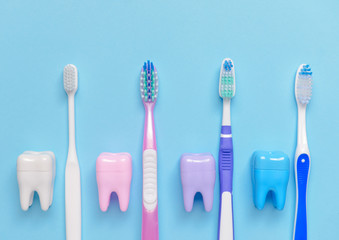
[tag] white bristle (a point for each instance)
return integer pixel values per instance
(70, 79)
(303, 84)
(227, 79)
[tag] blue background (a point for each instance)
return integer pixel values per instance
(109, 41)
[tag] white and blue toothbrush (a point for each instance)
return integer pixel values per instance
(303, 92)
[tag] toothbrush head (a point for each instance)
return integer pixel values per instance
(149, 83)
(227, 79)
(70, 79)
(303, 84)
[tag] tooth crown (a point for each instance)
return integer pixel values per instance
(36, 161)
(36, 172)
(270, 172)
(198, 175)
(114, 174)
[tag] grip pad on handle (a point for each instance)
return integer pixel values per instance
(226, 159)
(150, 191)
(150, 228)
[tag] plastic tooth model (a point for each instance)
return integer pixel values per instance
(72, 175)
(198, 175)
(114, 174)
(149, 94)
(303, 92)
(226, 92)
(270, 172)
(36, 172)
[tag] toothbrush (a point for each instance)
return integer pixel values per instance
(149, 93)
(72, 175)
(226, 92)
(303, 92)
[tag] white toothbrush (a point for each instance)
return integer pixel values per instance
(72, 175)
(303, 92)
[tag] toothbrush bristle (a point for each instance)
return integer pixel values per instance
(227, 79)
(149, 83)
(303, 84)
(70, 78)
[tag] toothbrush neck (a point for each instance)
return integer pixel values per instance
(302, 137)
(149, 130)
(71, 125)
(226, 113)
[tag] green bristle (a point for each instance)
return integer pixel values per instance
(227, 81)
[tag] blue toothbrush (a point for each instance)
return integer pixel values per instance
(303, 92)
(226, 92)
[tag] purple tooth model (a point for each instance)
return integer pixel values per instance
(198, 175)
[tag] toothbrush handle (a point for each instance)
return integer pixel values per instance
(73, 201)
(150, 228)
(302, 169)
(226, 182)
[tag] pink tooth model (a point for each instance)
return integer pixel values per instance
(114, 174)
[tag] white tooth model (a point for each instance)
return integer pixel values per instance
(36, 173)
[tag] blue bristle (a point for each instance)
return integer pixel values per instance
(306, 70)
(228, 65)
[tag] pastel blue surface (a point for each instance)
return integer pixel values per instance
(187, 40)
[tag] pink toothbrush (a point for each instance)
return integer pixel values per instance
(149, 93)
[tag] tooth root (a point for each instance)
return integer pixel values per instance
(31, 199)
(26, 198)
(260, 194)
(189, 199)
(208, 195)
(198, 175)
(36, 172)
(279, 196)
(270, 171)
(104, 195)
(44, 193)
(114, 174)
(123, 196)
